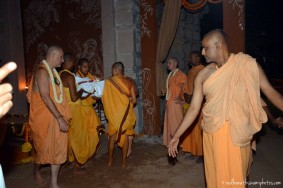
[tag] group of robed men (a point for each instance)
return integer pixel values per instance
(179, 89)
(231, 112)
(64, 124)
(231, 115)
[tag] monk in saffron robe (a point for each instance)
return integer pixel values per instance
(232, 113)
(82, 141)
(49, 115)
(131, 137)
(175, 87)
(85, 140)
(118, 100)
(192, 142)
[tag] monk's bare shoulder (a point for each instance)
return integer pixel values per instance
(66, 78)
(206, 72)
(40, 74)
(126, 81)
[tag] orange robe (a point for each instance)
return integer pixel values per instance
(193, 136)
(232, 114)
(49, 142)
(174, 112)
(83, 139)
(118, 109)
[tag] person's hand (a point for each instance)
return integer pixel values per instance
(278, 122)
(163, 92)
(173, 147)
(63, 125)
(6, 88)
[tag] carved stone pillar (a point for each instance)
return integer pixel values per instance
(151, 102)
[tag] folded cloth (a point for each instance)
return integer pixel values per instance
(98, 87)
(90, 86)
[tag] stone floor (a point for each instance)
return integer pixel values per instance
(148, 167)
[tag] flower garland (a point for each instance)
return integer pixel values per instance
(167, 83)
(53, 84)
(14, 129)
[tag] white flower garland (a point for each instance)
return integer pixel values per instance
(167, 83)
(60, 100)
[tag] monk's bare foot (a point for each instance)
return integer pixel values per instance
(79, 170)
(124, 164)
(54, 186)
(129, 153)
(110, 162)
(39, 180)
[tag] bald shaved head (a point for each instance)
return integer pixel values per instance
(218, 35)
(118, 68)
(54, 56)
(172, 63)
(53, 49)
(215, 47)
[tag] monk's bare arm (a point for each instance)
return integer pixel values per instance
(133, 95)
(194, 108)
(191, 114)
(73, 90)
(42, 81)
(273, 96)
(180, 99)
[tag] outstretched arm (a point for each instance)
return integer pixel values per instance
(273, 96)
(190, 116)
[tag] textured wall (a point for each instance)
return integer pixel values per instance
(187, 37)
(73, 24)
(121, 42)
(127, 43)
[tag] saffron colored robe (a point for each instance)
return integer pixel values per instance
(193, 136)
(83, 139)
(232, 114)
(49, 142)
(174, 112)
(118, 109)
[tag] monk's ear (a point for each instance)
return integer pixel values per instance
(218, 45)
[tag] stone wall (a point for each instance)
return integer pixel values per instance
(121, 42)
(188, 37)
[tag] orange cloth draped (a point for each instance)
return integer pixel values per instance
(193, 136)
(50, 144)
(232, 113)
(226, 165)
(232, 93)
(191, 78)
(115, 105)
(174, 112)
(83, 139)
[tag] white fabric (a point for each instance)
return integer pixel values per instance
(96, 87)
(2, 181)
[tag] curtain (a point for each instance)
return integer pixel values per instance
(168, 27)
